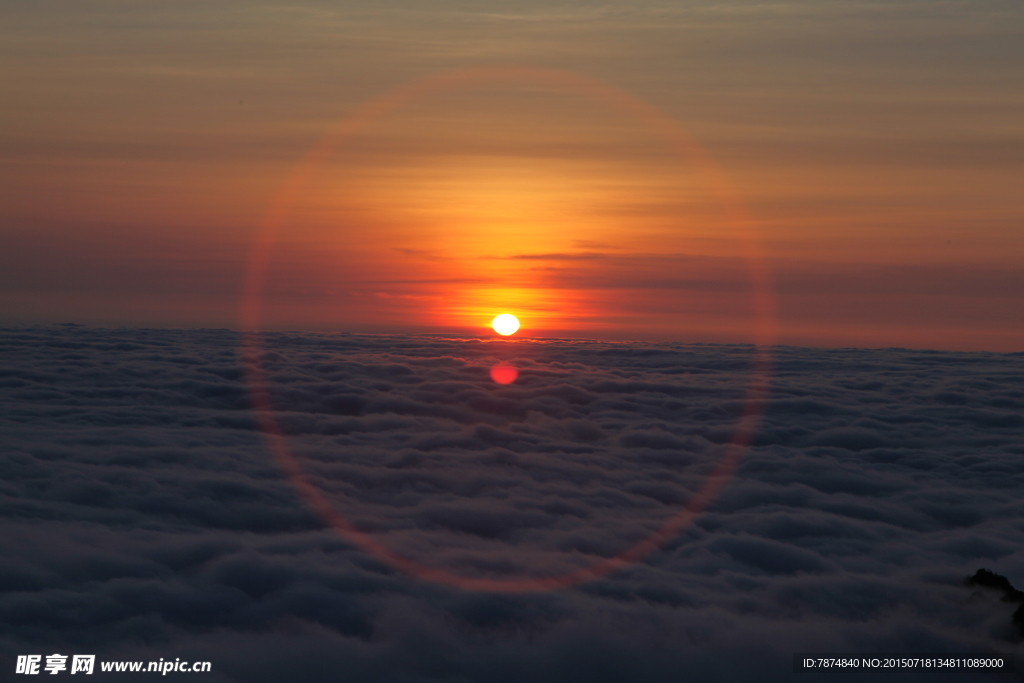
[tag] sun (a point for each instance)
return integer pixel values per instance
(505, 324)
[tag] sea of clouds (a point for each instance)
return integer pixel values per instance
(145, 516)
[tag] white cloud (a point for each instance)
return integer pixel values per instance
(146, 517)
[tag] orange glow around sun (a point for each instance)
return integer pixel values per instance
(414, 213)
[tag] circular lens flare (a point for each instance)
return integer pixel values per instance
(677, 138)
(505, 324)
(504, 373)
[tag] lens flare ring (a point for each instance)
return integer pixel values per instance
(558, 80)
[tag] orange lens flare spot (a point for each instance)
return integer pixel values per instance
(504, 373)
(505, 324)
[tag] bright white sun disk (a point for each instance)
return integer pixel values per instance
(505, 324)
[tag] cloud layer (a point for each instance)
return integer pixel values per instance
(145, 516)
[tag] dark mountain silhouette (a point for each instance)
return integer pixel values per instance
(989, 579)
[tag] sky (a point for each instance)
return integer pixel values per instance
(143, 514)
(838, 174)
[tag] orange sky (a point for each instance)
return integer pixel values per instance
(877, 149)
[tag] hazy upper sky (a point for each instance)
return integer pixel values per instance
(877, 148)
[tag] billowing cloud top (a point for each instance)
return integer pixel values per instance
(145, 516)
